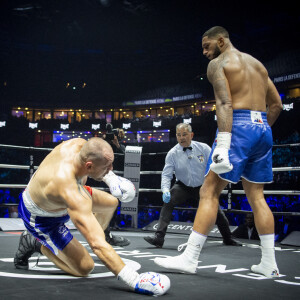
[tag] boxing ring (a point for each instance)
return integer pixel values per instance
(223, 272)
(230, 191)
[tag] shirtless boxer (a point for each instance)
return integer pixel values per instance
(247, 104)
(56, 192)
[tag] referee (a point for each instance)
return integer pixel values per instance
(187, 160)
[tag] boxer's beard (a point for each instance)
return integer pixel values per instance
(217, 52)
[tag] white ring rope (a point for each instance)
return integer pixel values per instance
(49, 149)
(23, 147)
(22, 167)
(237, 192)
(287, 145)
(269, 192)
(7, 166)
(225, 192)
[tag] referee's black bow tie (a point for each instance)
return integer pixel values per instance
(190, 148)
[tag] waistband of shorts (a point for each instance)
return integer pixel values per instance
(244, 115)
(37, 211)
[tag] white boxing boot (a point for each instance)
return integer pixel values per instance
(268, 266)
(187, 262)
(268, 271)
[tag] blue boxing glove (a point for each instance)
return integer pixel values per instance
(166, 196)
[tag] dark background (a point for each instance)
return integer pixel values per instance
(122, 49)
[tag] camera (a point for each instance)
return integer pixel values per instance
(111, 133)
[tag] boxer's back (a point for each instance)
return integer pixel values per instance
(248, 80)
(55, 171)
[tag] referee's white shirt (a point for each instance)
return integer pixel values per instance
(189, 166)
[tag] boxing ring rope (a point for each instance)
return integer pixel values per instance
(228, 192)
(287, 145)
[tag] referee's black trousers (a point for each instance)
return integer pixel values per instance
(179, 194)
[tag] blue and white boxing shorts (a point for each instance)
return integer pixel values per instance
(49, 228)
(251, 148)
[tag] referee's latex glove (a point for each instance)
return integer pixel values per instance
(166, 196)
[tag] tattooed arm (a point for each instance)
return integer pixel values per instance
(216, 76)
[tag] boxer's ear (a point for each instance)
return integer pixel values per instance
(221, 42)
(89, 165)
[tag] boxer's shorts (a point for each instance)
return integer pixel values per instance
(251, 148)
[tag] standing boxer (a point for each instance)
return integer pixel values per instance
(56, 193)
(247, 104)
(188, 161)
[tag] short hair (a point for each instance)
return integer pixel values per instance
(215, 32)
(185, 126)
(93, 150)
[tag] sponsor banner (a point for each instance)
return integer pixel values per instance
(162, 100)
(185, 228)
(126, 125)
(286, 77)
(157, 124)
(132, 168)
(64, 126)
(95, 126)
(288, 107)
(187, 121)
(33, 125)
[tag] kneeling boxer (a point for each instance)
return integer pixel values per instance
(56, 193)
